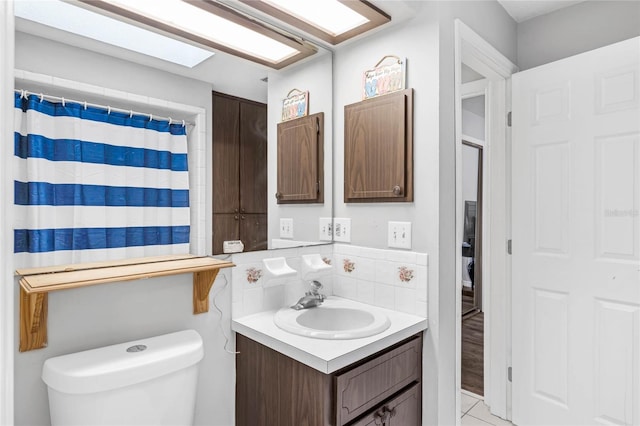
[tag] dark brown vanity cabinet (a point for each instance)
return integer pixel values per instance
(378, 149)
(239, 172)
(383, 389)
(301, 160)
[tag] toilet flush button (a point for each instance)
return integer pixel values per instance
(136, 348)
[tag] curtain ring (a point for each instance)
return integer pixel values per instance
(85, 105)
(41, 97)
(150, 117)
(22, 95)
(109, 110)
(130, 113)
(183, 123)
(63, 102)
(169, 121)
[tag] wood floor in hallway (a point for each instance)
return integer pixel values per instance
(473, 353)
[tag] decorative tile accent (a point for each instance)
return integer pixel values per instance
(253, 275)
(405, 274)
(348, 265)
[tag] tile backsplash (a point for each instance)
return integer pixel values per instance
(393, 279)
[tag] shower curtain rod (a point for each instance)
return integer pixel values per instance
(25, 93)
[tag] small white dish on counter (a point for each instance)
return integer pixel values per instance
(335, 319)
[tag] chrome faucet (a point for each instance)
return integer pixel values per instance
(312, 298)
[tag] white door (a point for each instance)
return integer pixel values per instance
(576, 240)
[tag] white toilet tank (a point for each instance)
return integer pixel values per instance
(145, 382)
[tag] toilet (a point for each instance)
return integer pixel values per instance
(145, 382)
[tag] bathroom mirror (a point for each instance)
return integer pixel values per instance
(42, 49)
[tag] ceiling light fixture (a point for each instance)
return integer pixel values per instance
(333, 21)
(213, 25)
(105, 29)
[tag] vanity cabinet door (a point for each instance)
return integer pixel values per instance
(403, 410)
(301, 160)
(366, 386)
(378, 149)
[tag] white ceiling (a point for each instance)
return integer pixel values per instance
(521, 10)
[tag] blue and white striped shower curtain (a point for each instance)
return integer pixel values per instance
(93, 185)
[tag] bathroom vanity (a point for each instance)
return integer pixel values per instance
(274, 389)
(287, 379)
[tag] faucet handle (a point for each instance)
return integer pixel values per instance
(315, 286)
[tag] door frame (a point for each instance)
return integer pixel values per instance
(474, 51)
(7, 282)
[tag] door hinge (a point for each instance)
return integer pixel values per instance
(509, 376)
(509, 119)
(509, 247)
(317, 125)
(318, 187)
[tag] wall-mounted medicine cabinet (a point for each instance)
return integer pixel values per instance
(301, 160)
(378, 149)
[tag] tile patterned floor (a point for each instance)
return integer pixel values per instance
(475, 413)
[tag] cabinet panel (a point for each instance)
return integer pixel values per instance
(253, 155)
(403, 410)
(301, 160)
(364, 387)
(253, 231)
(239, 172)
(226, 154)
(378, 149)
(225, 227)
(257, 399)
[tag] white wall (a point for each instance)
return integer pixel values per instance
(427, 41)
(315, 75)
(96, 316)
(576, 29)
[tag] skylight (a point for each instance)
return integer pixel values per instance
(333, 21)
(83, 22)
(187, 17)
(329, 15)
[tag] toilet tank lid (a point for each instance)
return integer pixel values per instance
(123, 364)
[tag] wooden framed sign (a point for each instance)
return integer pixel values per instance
(295, 105)
(388, 76)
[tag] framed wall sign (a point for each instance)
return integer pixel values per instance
(387, 76)
(295, 105)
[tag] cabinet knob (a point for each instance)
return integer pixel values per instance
(235, 210)
(397, 190)
(242, 217)
(278, 195)
(236, 217)
(242, 210)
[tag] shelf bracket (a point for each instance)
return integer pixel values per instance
(202, 283)
(33, 320)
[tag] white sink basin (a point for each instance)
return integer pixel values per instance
(334, 319)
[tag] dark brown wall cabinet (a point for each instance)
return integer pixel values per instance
(239, 172)
(383, 390)
(301, 160)
(378, 149)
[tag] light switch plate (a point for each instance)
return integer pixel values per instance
(326, 229)
(342, 229)
(399, 235)
(286, 228)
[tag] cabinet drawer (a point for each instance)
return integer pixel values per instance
(364, 387)
(403, 410)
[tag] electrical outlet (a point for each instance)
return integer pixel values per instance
(399, 235)
(326, 229)
(342, 229)
(286, 228)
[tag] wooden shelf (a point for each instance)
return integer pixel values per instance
(36, 283)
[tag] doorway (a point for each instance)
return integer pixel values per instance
(472, 334)
(482, 70)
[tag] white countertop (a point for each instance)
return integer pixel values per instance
(328, 356)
